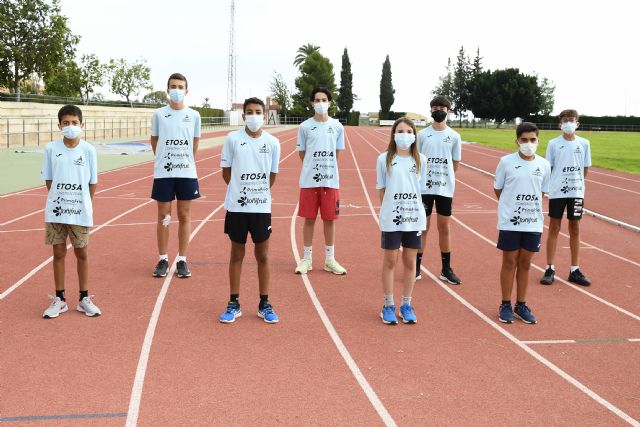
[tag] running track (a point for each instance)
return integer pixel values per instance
(158, 356)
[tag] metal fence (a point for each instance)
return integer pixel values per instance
(35, 131)
(49, 99)
(291, 120)
(544, 126)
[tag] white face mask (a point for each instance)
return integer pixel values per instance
(254, 122)
(176, 95)
(569, 127)
(528, 148)
(71, 132)
(404, 140)
(321, 108)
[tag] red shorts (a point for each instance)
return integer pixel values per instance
(327, 199)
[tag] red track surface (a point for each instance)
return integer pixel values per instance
(453, 367)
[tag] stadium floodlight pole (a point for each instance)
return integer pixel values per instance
(231, 68)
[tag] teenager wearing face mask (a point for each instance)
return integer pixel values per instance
(401, 172)
(570, 159)
(320, 140)
(441, 146)
(175, 134)
(70, 171)
(520, 182)
(249, 163)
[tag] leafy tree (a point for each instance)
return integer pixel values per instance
(386, 90)
(460, 86)
(205, 104)
(280, 92)
(64, 81)
(34, 38)
(92, 74)
(547, 101)
(303, 52)
(128, 79)
(445, 84)
(316, 70)
(345, 94)
(157, 97)
(476, 66)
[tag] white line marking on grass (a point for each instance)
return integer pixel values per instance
(515, 340)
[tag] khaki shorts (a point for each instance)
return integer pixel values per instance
(56, 234)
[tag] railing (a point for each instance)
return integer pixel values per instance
(544, 126)
(295, 120)
(49, 99)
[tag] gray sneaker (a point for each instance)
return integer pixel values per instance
(56, 308)
(161, 268)
(87, 307)
(182, 270)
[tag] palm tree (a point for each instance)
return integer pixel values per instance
(303, 52)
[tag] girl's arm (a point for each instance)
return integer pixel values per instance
(381, 194)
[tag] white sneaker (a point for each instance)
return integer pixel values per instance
(332, 266)
(57, 306)
(304, 266)
(87, 307)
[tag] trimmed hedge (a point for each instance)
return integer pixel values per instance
(209, 112)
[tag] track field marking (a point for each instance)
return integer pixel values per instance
(614, 409)
(62, 417)
(584, 341)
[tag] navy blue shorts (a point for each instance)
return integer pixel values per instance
(168, 189)
(574, 208)
(239, 224)
(443, 204)
(408, 239)
(514, 240)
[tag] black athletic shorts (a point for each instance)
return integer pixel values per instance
(443, 204)
(238, 224)
(408, 239)
(168, 189)
(513, 240)
(574, 208)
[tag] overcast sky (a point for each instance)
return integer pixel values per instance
(588, 49)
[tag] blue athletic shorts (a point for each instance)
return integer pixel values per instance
(514, 240)
(408, 239)
(168, 189)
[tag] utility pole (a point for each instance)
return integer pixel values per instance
(231, 68)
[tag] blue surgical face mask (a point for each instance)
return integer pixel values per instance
(176, 95)
(404, 140)
(71, 132)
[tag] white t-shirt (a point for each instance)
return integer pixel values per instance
(522, 183)
(568, 160)
(175, 130)
(320, 141)
(401, 208)
(71, 170)
(251, 160)
(440, 148)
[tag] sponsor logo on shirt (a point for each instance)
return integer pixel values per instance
(243, 143)
(253, 176)
(527, 197)
(264, 149)
(437, 160)
(62, 200)
(314, 128)
(176, 142)
(432, 183)
(167, 116)
(323, 154)
(59, 154)
(59, 210)
(187, 119)
(244, 201)
(68, 187)
(571, 169)
(169, 156)
(448, 139)
(566, 189)
(523, 210)
(517, 220)
(537, 172)
(578, 150)
(330, 131)
(322, 176)
(171, 166)
(518, 167)
(413, 168)
(79, 161)
(399, 219)
(405, 196)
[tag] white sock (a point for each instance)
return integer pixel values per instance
(406, 300)
(329, 252)
(181, 258)
(164, 257)
(307, 252)
(551, 266)
(574, 268)
(388, 300)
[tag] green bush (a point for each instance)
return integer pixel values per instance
(209, 112)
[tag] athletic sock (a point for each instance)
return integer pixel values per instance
(551, 266)
(329, 252)
(418, 260)
(181, 258)
(263, 300)
(308, 252)
(520, 303)
(406, 300)
(446, 260)
(388, 300)
(506, 302)
(235, 298)
(83, 294)
(164, 257)
(574, 268)
(60, 294)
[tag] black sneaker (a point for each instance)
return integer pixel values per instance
(161, 268)
(182, 270)
(578, 278)
(450, 277)
(549, 276)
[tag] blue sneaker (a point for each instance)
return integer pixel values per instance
(506, 313)
(523, 313)
(388, 315)
(267, 314)
(407, 314)
(231, 313)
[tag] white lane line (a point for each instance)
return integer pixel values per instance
(584, 341)
(342, 349)
(586, 390)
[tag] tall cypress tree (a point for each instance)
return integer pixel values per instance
(386, 90)
(345, 94)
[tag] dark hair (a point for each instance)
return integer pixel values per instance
(69, 110)
(440, 101)
(177, 76)
(253, 100)
(322, 89)
(526, 127)
(568, 114)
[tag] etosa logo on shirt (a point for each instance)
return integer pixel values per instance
(176, 142)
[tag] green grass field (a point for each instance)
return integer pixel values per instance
(610, 150)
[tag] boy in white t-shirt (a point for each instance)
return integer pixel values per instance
(521, 180)
(175, 134)
(70, 171)
(249, 162)
(570, 159)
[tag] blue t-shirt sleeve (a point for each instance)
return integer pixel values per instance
(275, 156)
(46, 172)
(340, 140)
(302, 140)
(498, 181)
(381, 173)
(154, 124)
(94, 166)
(196, 126)
(226, 158)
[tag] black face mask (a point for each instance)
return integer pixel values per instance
(439, 115)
